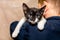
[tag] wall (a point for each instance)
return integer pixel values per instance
(11, 10)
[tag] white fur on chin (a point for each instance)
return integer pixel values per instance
(41, 23)
(18, 27)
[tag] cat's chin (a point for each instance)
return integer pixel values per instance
(32, 22)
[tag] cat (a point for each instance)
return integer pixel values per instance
(33, 16)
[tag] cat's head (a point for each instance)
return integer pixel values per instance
(33, 15)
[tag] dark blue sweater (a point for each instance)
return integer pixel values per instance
(31, 32)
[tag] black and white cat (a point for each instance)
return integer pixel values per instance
(33, 16)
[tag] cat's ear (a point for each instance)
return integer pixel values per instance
(25, 8)
(42, 9)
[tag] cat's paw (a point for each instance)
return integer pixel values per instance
(15, 34)
(41, 24)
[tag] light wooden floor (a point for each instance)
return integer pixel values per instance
(11, 10)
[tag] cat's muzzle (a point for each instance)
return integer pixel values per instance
(33, 22)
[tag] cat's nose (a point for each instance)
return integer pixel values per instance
(32, 19)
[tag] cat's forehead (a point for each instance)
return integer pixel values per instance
(34, 9)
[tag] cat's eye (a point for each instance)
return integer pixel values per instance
(38, 16)
(30, 13)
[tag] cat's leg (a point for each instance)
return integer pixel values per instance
(18, 27)
(41, 23)
(13, 26)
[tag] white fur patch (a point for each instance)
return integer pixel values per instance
(36, 20)
(18, 27)
(41, 23)
(33, 22)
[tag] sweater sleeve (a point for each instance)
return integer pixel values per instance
(53, 25)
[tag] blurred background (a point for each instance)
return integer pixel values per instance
(11, 10)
